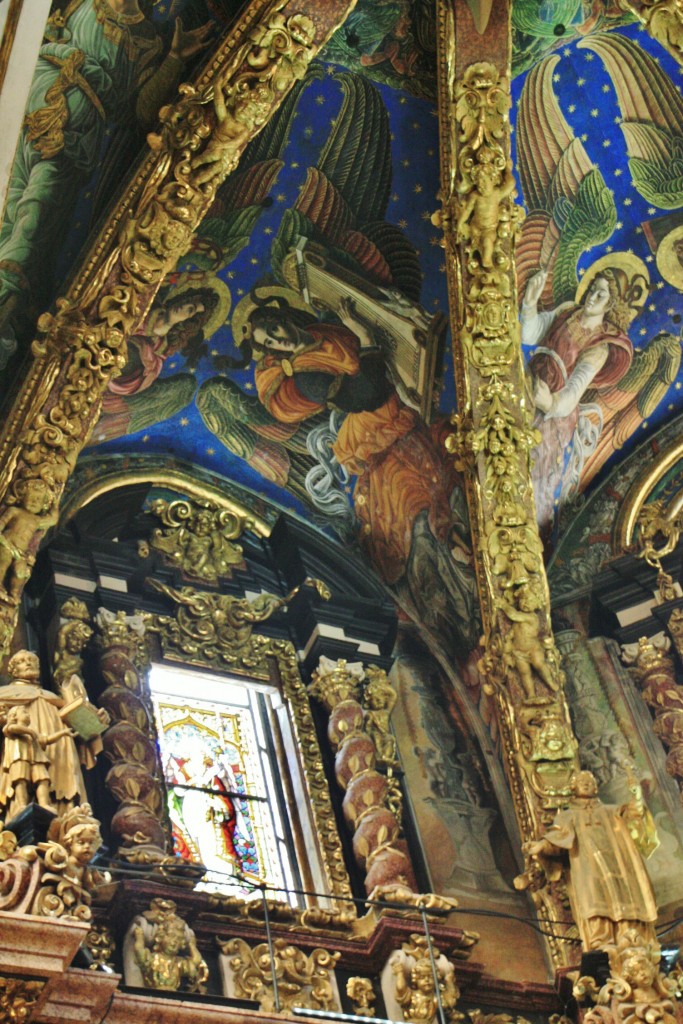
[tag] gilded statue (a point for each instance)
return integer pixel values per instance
(24, 771)
(33, 512)
(198, 538)
(609, 888)
(524, 649)
(416, 979)
(60, 756)
(168, 958)
(73, 634)
(479, 215)
(379, 699)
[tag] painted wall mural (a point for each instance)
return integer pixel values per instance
(597, 157)
(296, 346)
(104, 70)
(301, 347)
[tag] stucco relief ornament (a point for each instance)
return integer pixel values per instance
(636, 990)
(216, 626)
(198, 538)
(304, 979)
(416, 979)
(165, 950)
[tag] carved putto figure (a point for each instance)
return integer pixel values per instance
(479, 217)
(74, 633)
(167, 955)
(609, 889)
(524, 649)
(32, 512)
(67, 879)
(636, 989)
(415, 981)
(378, 703)
(198, 538)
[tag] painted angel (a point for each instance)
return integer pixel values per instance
(351, 285)
(651, 117)
(590, 390)
(197, 303)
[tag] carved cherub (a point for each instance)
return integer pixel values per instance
(73, 635)
(379, 700)
(33, 512)
(480, 211)
(524, 649)
(66, 879)
(417, 997)
(362, 995)
(170, 959)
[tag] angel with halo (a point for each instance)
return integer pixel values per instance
(590, 390)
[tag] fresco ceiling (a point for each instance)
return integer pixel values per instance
(319, 260)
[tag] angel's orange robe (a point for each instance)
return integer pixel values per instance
(389, 449)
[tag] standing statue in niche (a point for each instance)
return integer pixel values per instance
(53, 747)
(609, 889)
(25, 762)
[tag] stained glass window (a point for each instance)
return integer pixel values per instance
(226, 801)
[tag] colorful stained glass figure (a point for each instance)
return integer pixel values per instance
(222, 799)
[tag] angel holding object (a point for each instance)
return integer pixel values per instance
(590, 390)
(25, 765)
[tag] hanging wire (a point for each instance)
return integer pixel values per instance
(240, 882)
(435, 973)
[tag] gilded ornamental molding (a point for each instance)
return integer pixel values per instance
(494, 435)
(83, 342)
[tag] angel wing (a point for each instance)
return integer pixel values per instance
(278, 451)
(570, 207)
(243, 197)
(163, 399)
(342, 203)
(652, 112)
(534, 35)
(633, 399)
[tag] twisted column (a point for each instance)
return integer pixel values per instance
(654, 671)
(369, 804)
(139, 826)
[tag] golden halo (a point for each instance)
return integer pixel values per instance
(190, 280)
(246, 306)
(668, 263)
(631, 264)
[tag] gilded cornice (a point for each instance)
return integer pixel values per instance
(83, 343)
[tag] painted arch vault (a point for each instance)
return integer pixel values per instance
(301, 350)
(323, 236)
